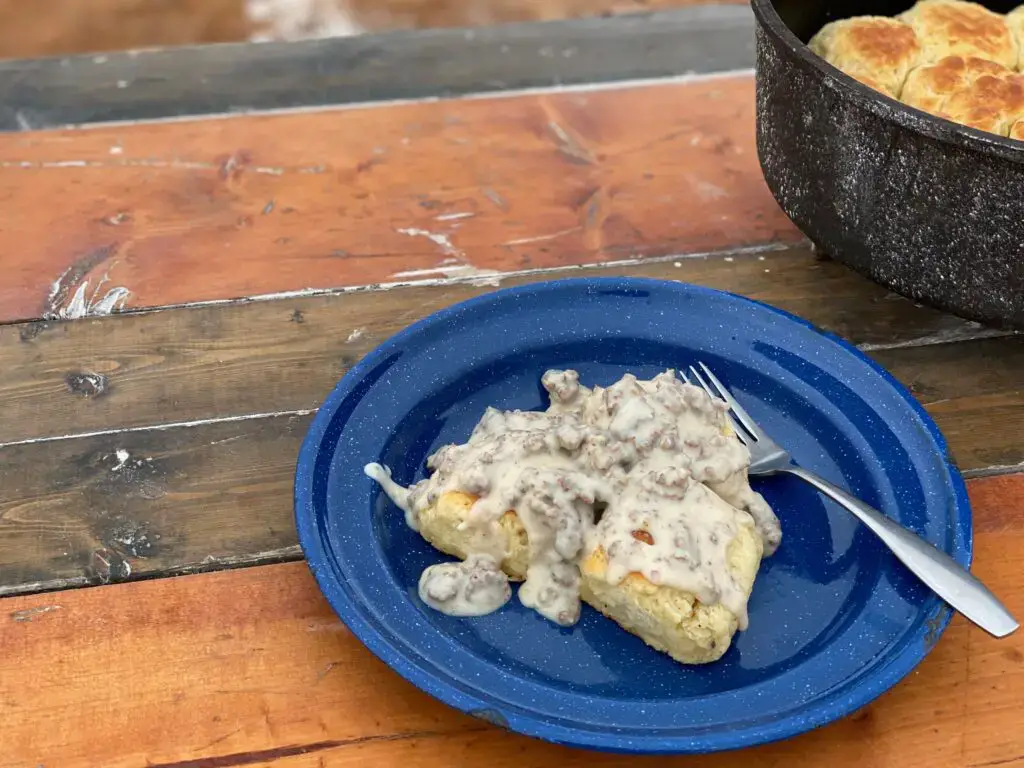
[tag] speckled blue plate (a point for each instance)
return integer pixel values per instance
(835, 620)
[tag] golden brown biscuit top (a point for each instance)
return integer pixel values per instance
(876, 50)
(979, 99)
(878, 40)
(956, 28)
(989, 104)
(1017, 131)
(928, 87)
(1015, 21)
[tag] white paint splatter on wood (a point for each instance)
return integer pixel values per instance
(435, 237)
(463, 276)
(454, 216)
(122, 457)
(355, 335)
(80, 305)
(158, 428)
(115, 299)
(55, 287)
(454, 269)
(542, 238)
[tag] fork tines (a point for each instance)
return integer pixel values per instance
(741, 420)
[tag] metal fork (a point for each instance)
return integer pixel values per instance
(947, 578)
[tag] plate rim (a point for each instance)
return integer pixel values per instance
(887, 675)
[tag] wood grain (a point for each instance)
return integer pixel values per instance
(155, 502)
(233, 360)
(187, 211)
(152, 487)
(250, 667)
(61, 27)
(974, 391)
(140, 504)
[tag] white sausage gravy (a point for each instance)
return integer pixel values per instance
(645, 470)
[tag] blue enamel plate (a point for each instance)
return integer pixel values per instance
(835, 620)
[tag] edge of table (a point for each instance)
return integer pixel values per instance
(435, 63)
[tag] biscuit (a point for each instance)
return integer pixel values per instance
(439, 524)
(929, 87)
(672, 620)
(956, 28)
(1017, 131)
(876, 50)
(1015, 21)
(872, 83)
(990, 104)
(667, 619)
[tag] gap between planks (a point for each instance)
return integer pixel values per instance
(103, 355)
(991, 471)
(289, 554)
(972, 331)
(466, 274)
(953, 336)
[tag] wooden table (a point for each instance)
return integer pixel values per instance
(177, 298)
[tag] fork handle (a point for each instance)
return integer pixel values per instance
(947, 578)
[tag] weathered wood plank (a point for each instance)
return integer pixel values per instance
(146, 502)
(137, 504)
(250, 667)
(154, 502)
(974, 391)
(219, 361)
(194, 210)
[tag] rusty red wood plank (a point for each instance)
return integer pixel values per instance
(250, 667)
(152, 214)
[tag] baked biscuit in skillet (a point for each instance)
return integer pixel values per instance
(876, 50)
(956, 28)
(1015, 21)
(973, 92)
(1017, 131)
(929, 87)
(990, 104)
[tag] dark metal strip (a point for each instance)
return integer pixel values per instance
(247, 77)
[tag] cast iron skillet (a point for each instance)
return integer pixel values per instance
(929, 208)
